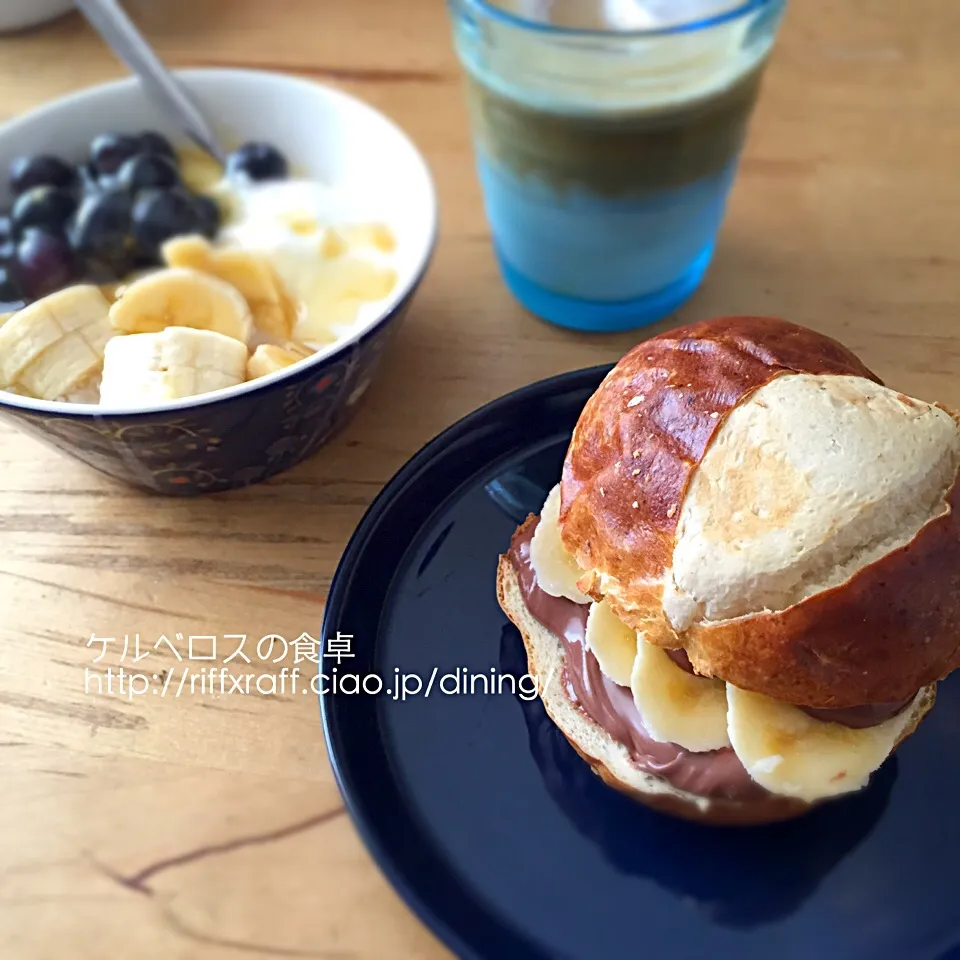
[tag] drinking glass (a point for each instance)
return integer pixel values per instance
(607, 136)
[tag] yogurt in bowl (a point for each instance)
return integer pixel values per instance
(347, 236)
(336, 259)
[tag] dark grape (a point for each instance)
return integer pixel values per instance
(208, 214)
(8, 287)
(156, 143)
(8, 244)
(41, 170)
(44, 263)
(109, 151)
(89, 182)
(159, 215)
(101, 228)
(98, 272)
(147, 170)
(48, 208)
(257, 161)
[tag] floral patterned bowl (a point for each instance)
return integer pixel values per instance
(242, 435)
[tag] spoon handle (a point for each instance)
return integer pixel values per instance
(120, 33)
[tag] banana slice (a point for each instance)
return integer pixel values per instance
(336, 291)
(557, 571)
(376, 235)
(790, 753)
(301, 222)
(59, 368)
(182, 297)
(676, 706)
(299, 350)
(272, 308)
(332, 245)
(54, 343)
(198, 170)
(177, 362)
(612, 642)
(193, 251)
(268, 358)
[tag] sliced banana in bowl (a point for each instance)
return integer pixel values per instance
(178, 362)
(52, 345)
(55, 348)
(272, 309)
(182, 297)
(269, 358)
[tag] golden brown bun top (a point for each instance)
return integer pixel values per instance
(891, 628)
(689, 379)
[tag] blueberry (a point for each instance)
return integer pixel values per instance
(257, 161)
(101, 227)
(147, 170)
(209, 215)
(151, 142)
(44, 263)
(9, 291)
(159, 215)
(48, 208)
(41, 170)
(109, 151)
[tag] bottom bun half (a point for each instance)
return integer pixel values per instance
(610, 759)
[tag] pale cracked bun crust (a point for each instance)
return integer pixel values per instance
(745, 489)
(610, 759)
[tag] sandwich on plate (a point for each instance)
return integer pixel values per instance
(740, 595)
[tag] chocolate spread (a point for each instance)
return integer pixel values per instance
(718, 773)
(714, 774)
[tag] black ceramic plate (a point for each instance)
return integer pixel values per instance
(498, 835)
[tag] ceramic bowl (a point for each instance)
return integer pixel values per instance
(22, 14)
(243, 434)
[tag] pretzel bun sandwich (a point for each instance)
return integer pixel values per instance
(741, 593)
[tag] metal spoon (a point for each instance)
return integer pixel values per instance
(126, 41)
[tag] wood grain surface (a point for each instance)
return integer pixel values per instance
(211, 826)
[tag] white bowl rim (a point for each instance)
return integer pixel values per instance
(400, 293)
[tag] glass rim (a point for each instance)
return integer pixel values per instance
(487, 9)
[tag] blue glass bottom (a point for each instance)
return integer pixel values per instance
(605, 316)
(592, 262)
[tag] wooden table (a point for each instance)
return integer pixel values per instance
(211, 826)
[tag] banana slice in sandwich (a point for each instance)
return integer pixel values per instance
(273, 310)
(612, 642)
(51, 345)
(182, 297)
(790, 753)
(177, 362)
(676, 706)
(556, 569)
